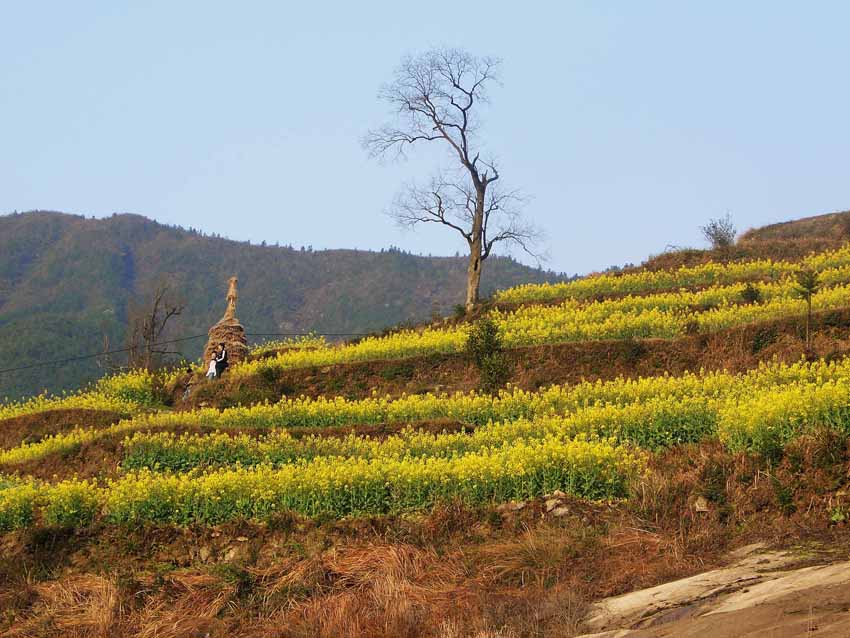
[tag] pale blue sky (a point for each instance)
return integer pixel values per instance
(630, 123)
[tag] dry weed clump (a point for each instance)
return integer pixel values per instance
(189, 604)
(383, 590)
(539, 556)
(83, 606)
(452, 629)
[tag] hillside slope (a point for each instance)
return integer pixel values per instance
(66, 281)
(831, 226)
(791, 240)
(658, 424)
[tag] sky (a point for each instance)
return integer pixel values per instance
(627, 124)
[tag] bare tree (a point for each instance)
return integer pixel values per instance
(720, 232)
(148, 320)
(435, 96)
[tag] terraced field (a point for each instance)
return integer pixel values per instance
(126, 393)
(593, 440)
(655, 306)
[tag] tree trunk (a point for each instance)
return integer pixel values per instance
(473, 270)
(473, 275)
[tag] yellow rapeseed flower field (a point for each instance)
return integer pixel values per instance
(590, 439)
(708, 274)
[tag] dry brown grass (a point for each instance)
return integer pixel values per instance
(189, 606)
(82, 606)
(537, 557)
(381, 590)
(453, 629)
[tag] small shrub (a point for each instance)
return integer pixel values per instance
(160, 388)
(713, 482)
(335, 384)
(459, 311)
(834, 319)
(784, 495)
(836, 354)
(483, 341)
(720, 232)
(243, 581)
(633, 350)
(494, 372)
(763, 338)
(751, 295)
(399, 371)
(484, 346)
(269, 375)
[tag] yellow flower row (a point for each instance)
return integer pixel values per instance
(401, 344)
(761, 420)
(306, 342)
(661, 421)
(766, 422)
(125, 393)
(664, 315)
(472, 408)
(585, 467)
(709, 274)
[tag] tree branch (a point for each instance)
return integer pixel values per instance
(433, 204)
(433, 96)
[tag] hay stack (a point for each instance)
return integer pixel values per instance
(228, 331)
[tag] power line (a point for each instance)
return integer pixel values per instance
(92, 356)
(165, 343)
(307, 334)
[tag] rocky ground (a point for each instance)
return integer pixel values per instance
(781, 594)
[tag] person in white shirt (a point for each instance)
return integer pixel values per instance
(221, 362)
(211, 371)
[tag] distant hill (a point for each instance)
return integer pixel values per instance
(66, 283)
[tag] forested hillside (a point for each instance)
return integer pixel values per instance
(66, 283)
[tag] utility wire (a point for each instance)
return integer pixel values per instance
(307, 334)
(92, 356)
(165, 343)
